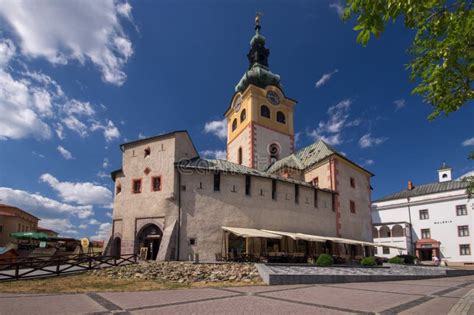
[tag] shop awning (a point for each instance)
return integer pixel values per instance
(302, 236)
(354, 242)
(246, 232)
(288, 234)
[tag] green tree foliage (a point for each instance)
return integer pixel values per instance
(442, 50)
(324, 260)
(368, 261)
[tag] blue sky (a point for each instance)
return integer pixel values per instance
(101, 73)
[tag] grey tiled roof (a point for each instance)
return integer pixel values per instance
(226, 166)
(426, 189)
(308, 156)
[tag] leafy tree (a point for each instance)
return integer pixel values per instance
(442, 50)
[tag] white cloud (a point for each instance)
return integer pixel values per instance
(399, 104)
(125, 10)
(338, 7)
(106, 163)
(83, 226)
(217, 128)
(81, 193)
(94, 222)
(325, 78)
(75, 107)
(63, 226)
(141, 136)
(330, 131)
(72, 30)
(76, 125)
(7, 51)
(110, 131)
(368, 162)
(42, 206)
(65, 153)
(38, 154)
(367, 141)
(214, 154)
(109, 214)
(468, 142)
(103, 174)
(103, 232)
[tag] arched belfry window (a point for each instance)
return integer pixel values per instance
(265, 111)
(243, 115)
(239, 156)
(234, 124)
(281, 118)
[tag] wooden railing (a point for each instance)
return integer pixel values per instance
(38, 267)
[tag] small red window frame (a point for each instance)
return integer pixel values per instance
(133, 185)
(152, 181)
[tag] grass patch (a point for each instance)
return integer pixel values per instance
(84, 283)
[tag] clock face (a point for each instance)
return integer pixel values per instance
(273, 98)
(237, 104)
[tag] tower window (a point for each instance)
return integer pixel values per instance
(118, 190)
(274, 189)
(247, 184)
(316, 182)
(353, 183)
(234, 124)
(217, 181)
(315, 198)
(156, 183)
(297, 194)
(352, 206)
(265, 111)
(281, 117)
(243, 115)
(239, 156)
(137, 186)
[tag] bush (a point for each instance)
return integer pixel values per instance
(368, 261)
(408, 259)
(396, 260)
(324, 260)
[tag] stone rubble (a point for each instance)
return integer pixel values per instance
(183, 272)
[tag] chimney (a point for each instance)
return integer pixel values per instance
(410, 185)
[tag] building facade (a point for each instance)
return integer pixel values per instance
(13, 220)
(170, 203)
(427, 220)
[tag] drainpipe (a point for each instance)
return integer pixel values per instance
(411, 228)
(179, 214)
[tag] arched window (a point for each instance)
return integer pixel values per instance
(281, 117)
(234, 124)
(243, 115)
(239, 156)
(265, 111)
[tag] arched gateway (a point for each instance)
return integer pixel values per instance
(149, 239)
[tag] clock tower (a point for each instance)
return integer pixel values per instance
(260, 116)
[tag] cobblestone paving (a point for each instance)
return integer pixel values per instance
(343, 271)
(429, 296)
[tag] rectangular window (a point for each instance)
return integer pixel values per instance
(192, 241)
(316, 182)
(315, 198)
(147, 152)
(425, 233)
(274, 189)
(353, 182)
(248, 182)
(352, 206)
(386, 250)
(463, 230)
(297, 194)
(137, 186)
(424, 215)
(217, 181)
(1, 228)
(333, 202)
(118, 190)
(464, 249)
(461, 210)
(375, 250)
(156, 183)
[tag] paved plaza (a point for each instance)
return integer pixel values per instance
(453, 295)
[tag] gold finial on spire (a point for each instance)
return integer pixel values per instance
(257, 19)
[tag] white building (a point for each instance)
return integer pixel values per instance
(426, 220)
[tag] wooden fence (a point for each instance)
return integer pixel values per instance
(38, 267)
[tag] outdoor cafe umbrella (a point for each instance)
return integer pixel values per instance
(40, 236)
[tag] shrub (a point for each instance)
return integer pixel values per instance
(396, 260)
(368, 261)
(324, 260)
(408, 259)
